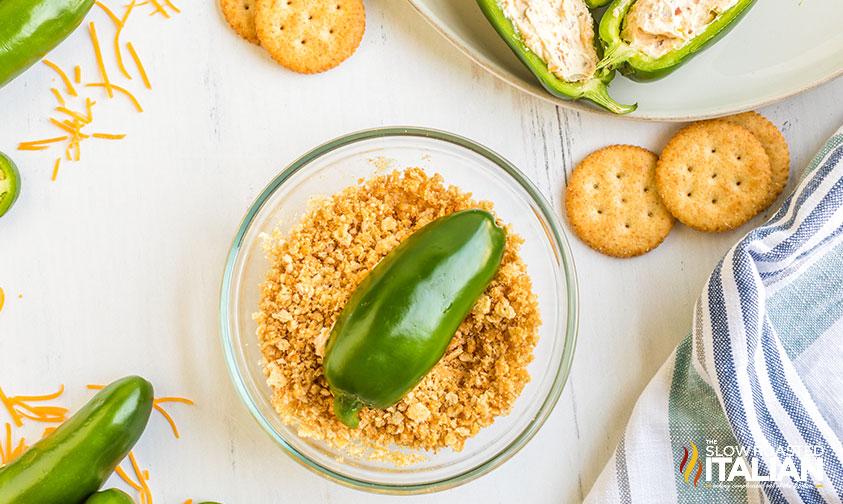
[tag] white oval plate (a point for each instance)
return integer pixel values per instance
(781, 48)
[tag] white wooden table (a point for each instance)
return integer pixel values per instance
(119, 261)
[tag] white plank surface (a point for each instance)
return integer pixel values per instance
(119, 261)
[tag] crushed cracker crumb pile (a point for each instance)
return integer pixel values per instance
(314, 270)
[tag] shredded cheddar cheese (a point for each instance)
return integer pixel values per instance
(63, 76)
(125, 477)
(2, 298)
(100, 63)
(19, 409)
(139, 65)
(73, 114)
(88, 105)
(170, 5)
(58, 96)
(158, 8)
(118, 88)
(8, 454)
(168, 418)
(47, 140)
(79, 119)
(146, 494)
(117, 40)
(69, 127)
(156, 403)
(175, 399)
(109, 12)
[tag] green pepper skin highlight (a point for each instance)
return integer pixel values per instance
(110, 496)
(640, 67)
(9, 183)
(401, 318)
(594, 89)
(72, 462)
(32, 28)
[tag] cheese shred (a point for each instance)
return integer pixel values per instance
(159, 8)
(109, 12)
(117, 40)
(39, 143)
(2, 298)
(18, 408)
(73, 114)
(139, 65)
(56, 169)
(8, 454)
(170, 5)
(69, 127)
(146, 494)
(58, 96)
(63, 76)
(168, 418)
(118, 88)
(125, 477)
(100, 63)
(77, 74)
(109, 136)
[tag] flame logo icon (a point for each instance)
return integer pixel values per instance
(686, 467)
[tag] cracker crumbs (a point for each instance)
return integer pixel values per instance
(316, 267)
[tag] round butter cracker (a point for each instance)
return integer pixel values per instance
(240, 15)
(310, 36)
(774, 145)
(612, 202)
(714, 176)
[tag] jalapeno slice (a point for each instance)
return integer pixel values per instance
(9, 183)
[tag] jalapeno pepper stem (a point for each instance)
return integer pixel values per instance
(597, 91)
(346, 409)
(614, 55)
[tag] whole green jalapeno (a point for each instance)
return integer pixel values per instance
(401, 318)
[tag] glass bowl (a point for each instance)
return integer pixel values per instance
(340, 163)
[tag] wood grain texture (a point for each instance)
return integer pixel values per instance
(119, 261)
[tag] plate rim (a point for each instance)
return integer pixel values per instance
(537, 91)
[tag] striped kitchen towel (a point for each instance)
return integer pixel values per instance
(749, 407)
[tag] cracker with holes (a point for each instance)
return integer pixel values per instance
(774, 145)
(714, 176)
(612, 202)
(240, 15)
(310, 36)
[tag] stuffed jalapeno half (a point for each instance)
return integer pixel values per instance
(647, 39)
(556, 41)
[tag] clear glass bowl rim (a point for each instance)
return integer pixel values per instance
(554, 234)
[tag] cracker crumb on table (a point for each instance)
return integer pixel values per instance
(314, 270)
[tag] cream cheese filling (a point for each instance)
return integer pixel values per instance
(657, 27)
(560, 32)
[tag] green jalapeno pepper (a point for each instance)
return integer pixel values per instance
(9, 184)
(110, 496)
(593, 89)
(31, 28)
(72, 462)
(593, 4)
(402, 317)
(641, 67)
